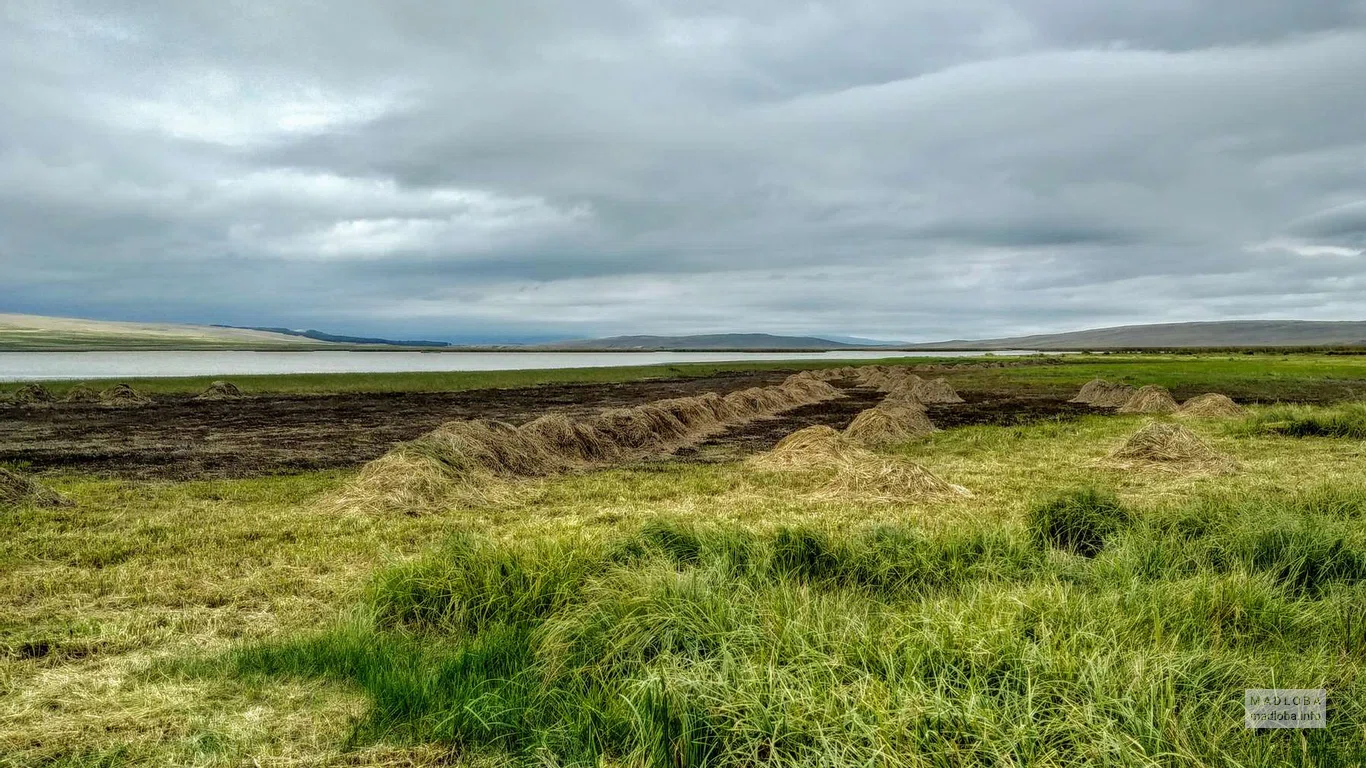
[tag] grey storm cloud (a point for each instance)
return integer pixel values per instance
(504, 170)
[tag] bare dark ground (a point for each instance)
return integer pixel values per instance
(182, 438)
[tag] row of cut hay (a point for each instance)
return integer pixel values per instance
(16, 489)
(464, 460)
(854, 469)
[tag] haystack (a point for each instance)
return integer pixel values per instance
(18, 489)
(1150, 399)
(857, 471)
(81, 394)
(1211, 405)
(1170, 445)
(888, 425)
(937, 391)
(32, 394)
(904, 396)
(123, 395)
(1110, 395)
(806, 449)
(1090, 390)
(221, 390)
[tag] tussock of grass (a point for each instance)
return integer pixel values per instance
(1078, 521)
(1345, 420)
(691, 645)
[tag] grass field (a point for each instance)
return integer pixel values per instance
(1069, 612)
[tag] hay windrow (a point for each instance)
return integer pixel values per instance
(1163, 444)
(888, 425)
(937, 392)
(32, 394)
(463, 455)
(1150, 399)
(123, 396)
(221, 390)
(16, 488)
(1211, 405)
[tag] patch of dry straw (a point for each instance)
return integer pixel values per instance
(16, 488)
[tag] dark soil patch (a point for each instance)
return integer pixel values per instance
(986, 409)
(182, 438)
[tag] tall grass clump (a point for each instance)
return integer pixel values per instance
(714, 645)
(1077, 521)
(1343, 420)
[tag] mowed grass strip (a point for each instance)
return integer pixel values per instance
(680, 644)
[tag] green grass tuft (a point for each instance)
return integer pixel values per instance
(1077, 521)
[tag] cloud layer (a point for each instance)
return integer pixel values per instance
(912, 170)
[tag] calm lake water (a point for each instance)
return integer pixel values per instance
(24, 366)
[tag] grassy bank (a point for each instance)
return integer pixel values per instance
(666, 612)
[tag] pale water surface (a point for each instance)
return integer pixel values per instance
(25, 366)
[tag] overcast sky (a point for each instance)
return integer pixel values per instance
(905, 169)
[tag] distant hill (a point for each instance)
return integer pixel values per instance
(334, 338)
(1232, 333)
(40, 333)
(700, 343)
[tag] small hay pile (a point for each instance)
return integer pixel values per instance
(1210, 406)
(32, 394)
(1167, 445)
(904, 396)
(221, 390)
(82, 394)
(17, 489)
(123, 396)
(1105, 394)
(937, 392)
(856, 471)
(1150, 399)
(1091, 390)
(888, 425)
(806, 449)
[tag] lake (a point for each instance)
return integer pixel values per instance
(24, 366)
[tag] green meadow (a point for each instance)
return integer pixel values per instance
(1070, 611)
